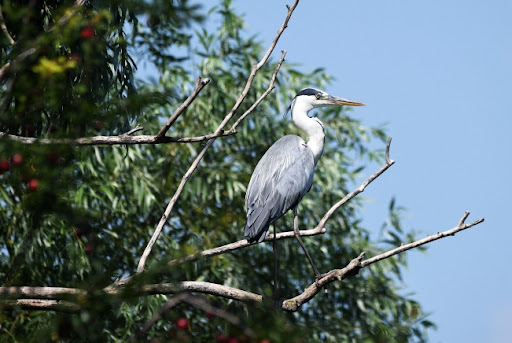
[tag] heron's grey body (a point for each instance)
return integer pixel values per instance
(280, 180)
(285, 172)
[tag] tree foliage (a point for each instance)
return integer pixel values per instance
(85, 220)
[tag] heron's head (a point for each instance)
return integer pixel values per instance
(310, 98)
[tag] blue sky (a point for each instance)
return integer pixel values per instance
(440, 74)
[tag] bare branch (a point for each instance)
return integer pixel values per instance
(242, 244)
(4, 28)
(360, 189)
(124, 139)
(40, 292)
(55, 293)
(461, 226)
(193, 166)
(199, 287)
(200, 84)
(40, 305)
(388, 145)
(264, 95)
(309, 293)
(356, 264)
(13, 65)
(135, 129)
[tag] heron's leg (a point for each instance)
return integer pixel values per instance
(276, 284)
(297, 235)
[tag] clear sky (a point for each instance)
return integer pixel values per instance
(440, 74)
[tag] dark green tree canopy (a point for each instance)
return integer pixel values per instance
(82, 187)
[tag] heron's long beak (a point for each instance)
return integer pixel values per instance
(335, 101)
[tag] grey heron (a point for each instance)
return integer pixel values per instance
(285, 172)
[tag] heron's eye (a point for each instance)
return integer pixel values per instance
(317, 95)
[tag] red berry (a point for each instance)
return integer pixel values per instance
(232, 340)
(221, 338)
(89, 248)
(182, 323)
(17, 160)
(87, 32)
(5, 165)
(266, 340)
(33, 184)
(210, 315)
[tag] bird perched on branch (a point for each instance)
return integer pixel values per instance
(285, 172)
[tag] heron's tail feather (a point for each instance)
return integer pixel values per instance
(257, 224)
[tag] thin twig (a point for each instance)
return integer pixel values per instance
(135, 129)
(4, 28)
(360, 189)
(14, 64)
(263, 96)
(461, 226)
(227, 118)
(200, 84)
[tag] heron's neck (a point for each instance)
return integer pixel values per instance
(311, 126)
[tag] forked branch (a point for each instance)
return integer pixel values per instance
(358, 263)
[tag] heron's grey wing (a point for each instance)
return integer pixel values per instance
(279, 181)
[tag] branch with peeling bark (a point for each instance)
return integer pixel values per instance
(49, 298)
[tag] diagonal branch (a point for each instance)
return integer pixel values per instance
(360, 189)
(4, 28)
(358, 263)
(200, 84)
(460, 226)
(229, 116)
(263, 96)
